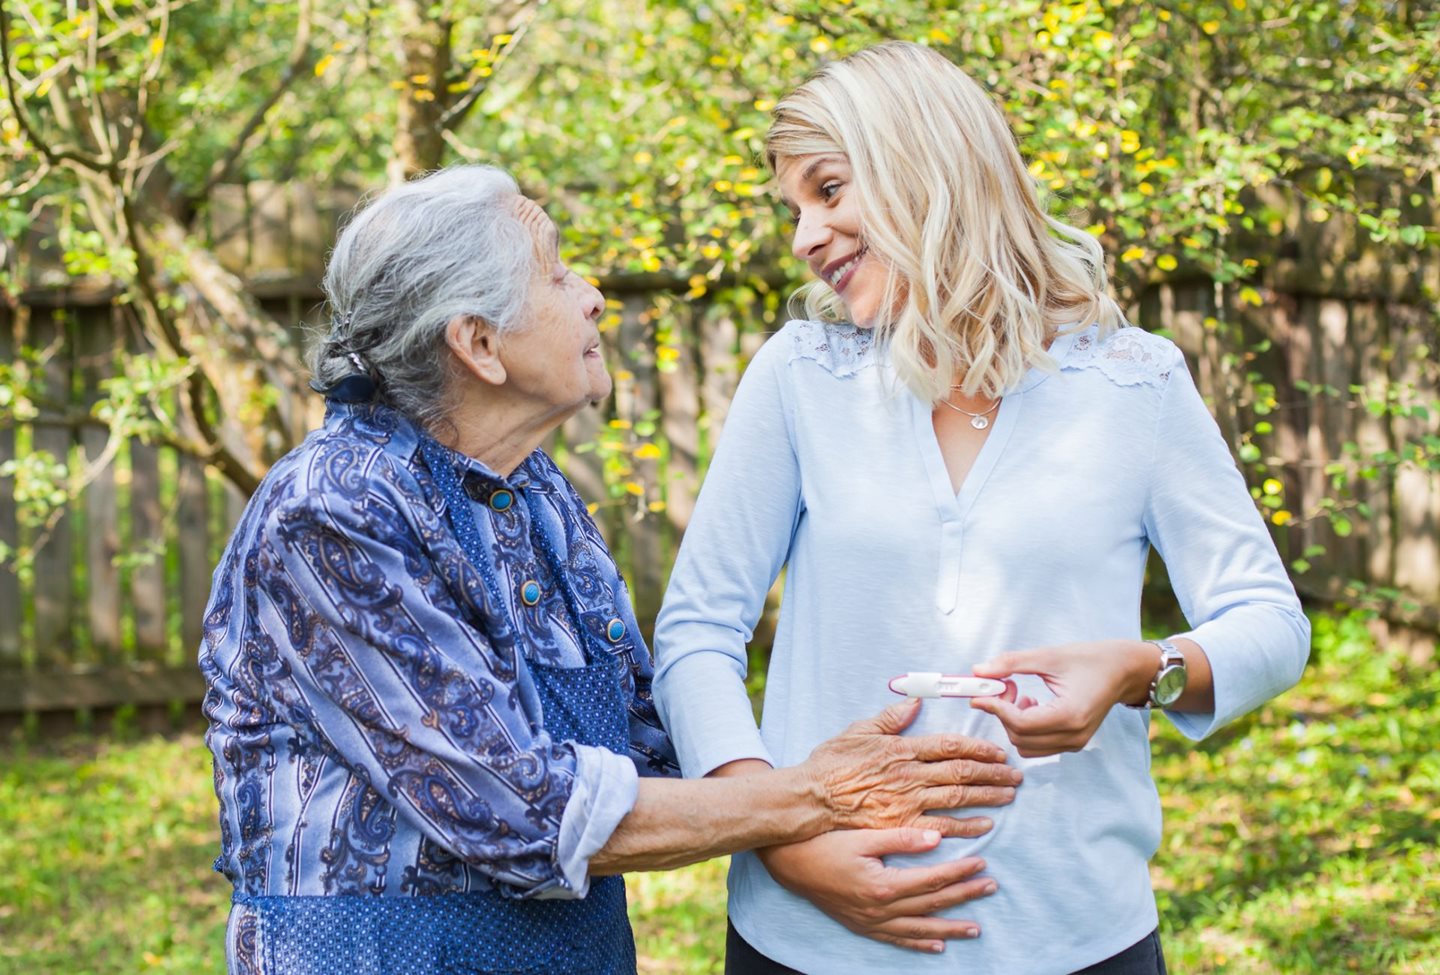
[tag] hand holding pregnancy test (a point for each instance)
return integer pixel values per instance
(932, 684)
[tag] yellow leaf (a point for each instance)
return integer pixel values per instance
(643, 158)
(939, 36)
(420, 79)
(647, 451)
(618, 424)
(733, 160)
(1132, 253)
(323, 64)
(1163, 14)
(1146, 189)
(1251, 297)
(1166, 262)
(667, 353)
(1103, 40)
(763, 104)
(592, 507)
(819, 45)
(723, 186)
(501, 39)
(631, 487)
(623, 375)
(1272, 486)
(1238, 4)
(650, 263)
(1095, 229)
(656, 506)
(157, 45)
(1210, 26)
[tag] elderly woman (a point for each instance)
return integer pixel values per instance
(429, 703)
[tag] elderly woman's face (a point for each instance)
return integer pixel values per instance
(554, 356)
(820, 194)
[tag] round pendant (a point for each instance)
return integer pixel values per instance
(979, 422)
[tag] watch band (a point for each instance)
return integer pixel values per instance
(1171, 659)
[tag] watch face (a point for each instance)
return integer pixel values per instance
(1169, 686)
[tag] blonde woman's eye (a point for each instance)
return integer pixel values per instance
(829, 189)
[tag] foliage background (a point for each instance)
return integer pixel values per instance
(1189, 135)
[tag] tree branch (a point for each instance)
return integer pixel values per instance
(301, 60)
(55, 155)
(466, 102)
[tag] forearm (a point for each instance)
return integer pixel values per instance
(678, 822)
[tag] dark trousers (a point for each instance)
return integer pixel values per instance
(1144, 957)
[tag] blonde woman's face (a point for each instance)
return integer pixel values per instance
(822, 199)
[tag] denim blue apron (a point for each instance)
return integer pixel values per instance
(481, 932)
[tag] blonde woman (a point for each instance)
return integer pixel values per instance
(962, 459)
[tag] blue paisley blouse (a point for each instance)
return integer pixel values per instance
(374, 725)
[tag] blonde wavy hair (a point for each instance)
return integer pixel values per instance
(981, 277)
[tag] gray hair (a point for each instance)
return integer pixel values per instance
(406, 264)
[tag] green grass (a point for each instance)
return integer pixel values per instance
(1301, 840)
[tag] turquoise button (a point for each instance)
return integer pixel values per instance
(615, 630)
(530, 592)
(502, 500)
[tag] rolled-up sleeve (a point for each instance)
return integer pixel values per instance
(1222, 563)
(735, 545)
(421, 704)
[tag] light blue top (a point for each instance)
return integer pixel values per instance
(830, 468)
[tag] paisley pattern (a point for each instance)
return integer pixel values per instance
(373, 718)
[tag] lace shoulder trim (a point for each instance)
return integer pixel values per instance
(1129, 356)
(841, 349)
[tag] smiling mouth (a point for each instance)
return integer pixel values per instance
(838, 277)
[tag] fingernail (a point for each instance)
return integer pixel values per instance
(932, 836)
(935, 947)
(1017, 776)
(984, 822)
(989, 888)
(972, 932)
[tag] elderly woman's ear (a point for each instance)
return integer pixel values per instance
(476, 345)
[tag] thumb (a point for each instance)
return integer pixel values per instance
(893, 720)
(904, 839)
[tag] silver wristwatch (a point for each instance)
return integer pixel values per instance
(1169, 682)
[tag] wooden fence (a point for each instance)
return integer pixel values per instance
(111, 614)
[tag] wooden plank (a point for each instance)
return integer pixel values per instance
(720, 374)
(109, 687)
(54, 586)
(11, 610)
(646, 550)
(95, 336)
(147, 578)
(1368, 339)
(193, 539)
(679, 390)
(1416, 492)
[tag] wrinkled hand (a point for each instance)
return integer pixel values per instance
(842, 873)
(1088, 679)
(870, 777)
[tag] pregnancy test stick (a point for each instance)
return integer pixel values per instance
(928, 684)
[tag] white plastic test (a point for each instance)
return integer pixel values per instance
(927, 684)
